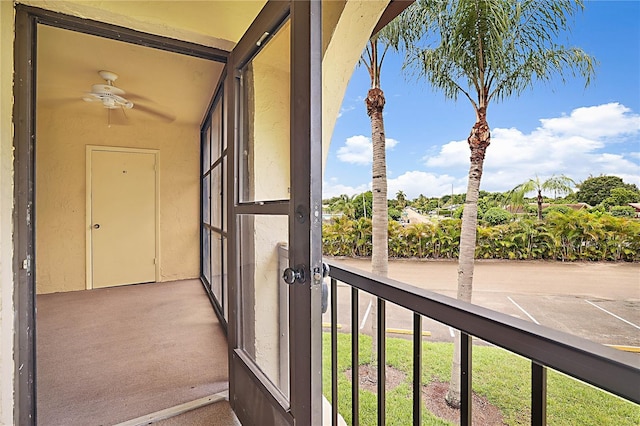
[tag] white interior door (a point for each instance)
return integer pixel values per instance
(122, 217)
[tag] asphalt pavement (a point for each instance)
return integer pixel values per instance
(596, 301)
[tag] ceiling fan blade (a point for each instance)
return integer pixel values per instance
(164, 116)
(136, 97)
(117, 116)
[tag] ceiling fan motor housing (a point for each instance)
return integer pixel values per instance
(110, 95)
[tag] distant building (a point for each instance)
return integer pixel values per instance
(327, 217)
(636, 206)
(576, 206)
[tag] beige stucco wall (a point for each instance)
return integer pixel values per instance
(350, 35)
(61, 193)
(6, 209)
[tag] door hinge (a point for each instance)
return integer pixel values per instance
(155, 261)
(26, 264)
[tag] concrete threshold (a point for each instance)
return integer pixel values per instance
(176, 410)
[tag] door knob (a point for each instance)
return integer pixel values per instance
(291, 275)
(96, 226)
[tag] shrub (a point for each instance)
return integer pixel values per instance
(557, 209)
(622, 211)
(394, 214)
(457, 214)
(497, 216)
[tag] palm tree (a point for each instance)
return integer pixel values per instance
(418, 233)
(373, 58)
(402, 199)
(558, 184)
(375, 101)
(344, 204)
(484, 51)
(419, 203)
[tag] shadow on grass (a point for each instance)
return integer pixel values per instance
(502, 378)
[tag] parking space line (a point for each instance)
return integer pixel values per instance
(522, 309)
(613, 315)
(328, 325)
(634, 349)
(405, 331)
(366, 315)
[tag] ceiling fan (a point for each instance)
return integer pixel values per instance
(110, 95)
(113, 97)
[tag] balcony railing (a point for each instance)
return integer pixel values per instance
(603, 367)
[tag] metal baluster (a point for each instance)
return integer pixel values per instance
(465, 380)
(417, 369)
(538, 395)
(382, 361)
(334, 353)
(355, 362)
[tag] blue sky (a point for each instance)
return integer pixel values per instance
(552, 130)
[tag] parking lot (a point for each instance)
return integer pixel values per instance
(597, 301)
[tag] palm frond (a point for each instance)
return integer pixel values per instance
(494, 49)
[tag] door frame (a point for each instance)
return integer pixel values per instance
(90, 149)
(27, 19)
(247, 381)
(220, 306)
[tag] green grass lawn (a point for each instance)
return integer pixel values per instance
(500, 376)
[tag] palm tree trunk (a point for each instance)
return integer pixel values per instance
(478, 140)
(540, 200)
(380, 224)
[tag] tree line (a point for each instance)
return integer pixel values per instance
(604, 194)
(562, 235)
(604, 231)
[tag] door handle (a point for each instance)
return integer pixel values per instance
(96, 226)
(290, 275)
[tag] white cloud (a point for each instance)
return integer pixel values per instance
(359, 149)
(452, 154)
(575, 145)
(333, 189)
(599, 121)
(414, 183)
(351, 105)
(346, 109)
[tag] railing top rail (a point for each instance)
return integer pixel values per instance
(604, 367)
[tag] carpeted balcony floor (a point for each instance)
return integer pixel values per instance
(110, 355)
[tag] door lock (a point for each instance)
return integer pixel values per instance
(291, 276)
(96, 226)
